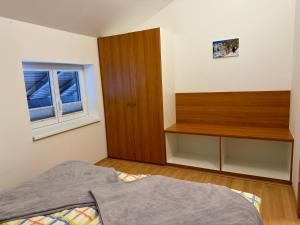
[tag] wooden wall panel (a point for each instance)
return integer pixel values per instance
(258, 109)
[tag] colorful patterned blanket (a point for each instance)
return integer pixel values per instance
(89, 215)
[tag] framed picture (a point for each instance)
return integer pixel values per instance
(226, 48)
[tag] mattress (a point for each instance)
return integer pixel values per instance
(89, 215)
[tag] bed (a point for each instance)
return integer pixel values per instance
(89, 215)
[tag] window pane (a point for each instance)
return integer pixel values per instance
(69, 89)
(39, 98)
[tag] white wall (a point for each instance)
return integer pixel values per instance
(265, 29)
(168, 83)
(295, 103)
(20, 157)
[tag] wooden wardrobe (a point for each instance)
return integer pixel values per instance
(131, 74)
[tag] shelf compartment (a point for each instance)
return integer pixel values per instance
(195, 151)
(270, 159)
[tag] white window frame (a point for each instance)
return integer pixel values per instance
(53, 69)
(74, 115)
(48, 68)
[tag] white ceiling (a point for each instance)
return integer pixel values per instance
(89, 17)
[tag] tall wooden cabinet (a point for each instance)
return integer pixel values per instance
(131, 73)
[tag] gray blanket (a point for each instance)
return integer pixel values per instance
(159, 200)
(152, 201)
(62, 187)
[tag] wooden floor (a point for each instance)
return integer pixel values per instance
(278, 201)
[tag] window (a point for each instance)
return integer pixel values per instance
(39, 95)
(54, 93)
(69, 91)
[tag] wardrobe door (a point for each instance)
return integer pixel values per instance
(117, 95)
(148, 110)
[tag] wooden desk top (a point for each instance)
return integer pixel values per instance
(274, 134)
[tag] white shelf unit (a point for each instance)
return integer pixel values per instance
(269, 159)
(259, 158)
(193, 150)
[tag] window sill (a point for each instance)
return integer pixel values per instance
(48, 131)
